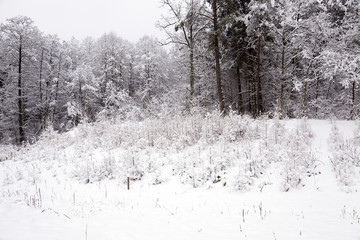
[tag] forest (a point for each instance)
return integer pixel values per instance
(278, 58)
(241, 122)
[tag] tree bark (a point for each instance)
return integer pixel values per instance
(240, 99)
(281, 100)
(191, 42)
(352, 112)
(81, 97)
(304, 110)
(259, 94)
(254, 105)
(248, 85)
(217, 59)
(40, 90)
(192, 71)
(317, 96)
(353, 93)
(20, 102)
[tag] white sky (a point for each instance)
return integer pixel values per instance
(131, 19)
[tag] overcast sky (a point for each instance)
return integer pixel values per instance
(131, 19)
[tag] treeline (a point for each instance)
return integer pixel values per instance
(289, 58)
(47, 82)
(292, 58)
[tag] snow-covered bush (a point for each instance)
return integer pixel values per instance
(272, 139)
(242, 181)
(298, 156)
(7, 152)
(235, 127)
(289, 151)
(345, 156)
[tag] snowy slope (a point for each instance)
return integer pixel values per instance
(48, 191)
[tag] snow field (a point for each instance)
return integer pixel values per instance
(191, 178)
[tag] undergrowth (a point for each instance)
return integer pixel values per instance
(200, 150)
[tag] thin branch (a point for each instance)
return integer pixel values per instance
(204, 15)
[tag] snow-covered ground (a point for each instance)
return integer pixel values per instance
(73, 186)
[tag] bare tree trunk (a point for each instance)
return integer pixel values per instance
(353, 93)
(252, 90)
(40, 90)
(217, 58)
(259, 94)
(57, 88)
(230, 88)
(240, 98)
(103, 87)
(20, 103)
(131, 83)
(192, 71)
(81, 97)
(191, 45)
(254, 105)
(328, 90)
(148, 82)
(304, 110)
(48, 92)
(248, 85)
(317, 96)
(352, 112)
(281, 98)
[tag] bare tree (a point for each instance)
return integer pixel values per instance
(184, 26)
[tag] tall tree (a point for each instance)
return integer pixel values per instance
(83, 90)
(235, 48)
(351, 43)
(183, 27)
(20, 36)
(259, 23)
(110, 58)
(342, 57)
(216, 33)
(152, 66)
